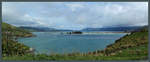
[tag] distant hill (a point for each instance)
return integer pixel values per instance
(127, 29)
(38, 28)
(47, 29)
(42, 29)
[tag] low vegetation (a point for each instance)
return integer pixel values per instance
(10, 46)
(126, 54)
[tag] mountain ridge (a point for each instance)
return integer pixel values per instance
(125, 28)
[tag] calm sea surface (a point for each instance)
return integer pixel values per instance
(56, 42)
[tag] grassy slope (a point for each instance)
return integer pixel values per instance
(125, 55)
(129, 47)
(15, 31)
(10, 46)
(134, 39)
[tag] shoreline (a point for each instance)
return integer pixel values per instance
(88, 33)
(130, 50)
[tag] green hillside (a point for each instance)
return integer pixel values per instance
(15, 31)
(10, 46)
(130, 47)
(135, 44)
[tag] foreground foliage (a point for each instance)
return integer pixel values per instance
(10, 46)
(135, 53)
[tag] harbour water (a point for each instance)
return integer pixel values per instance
(55, 42)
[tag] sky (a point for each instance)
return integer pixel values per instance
(75, 15)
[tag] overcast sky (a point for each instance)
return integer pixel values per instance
(75, 15)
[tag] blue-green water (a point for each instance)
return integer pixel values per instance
(55, 42)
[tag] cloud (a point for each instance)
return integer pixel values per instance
(75, 15)
(75, 6)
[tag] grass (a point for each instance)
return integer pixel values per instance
(135, 53)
